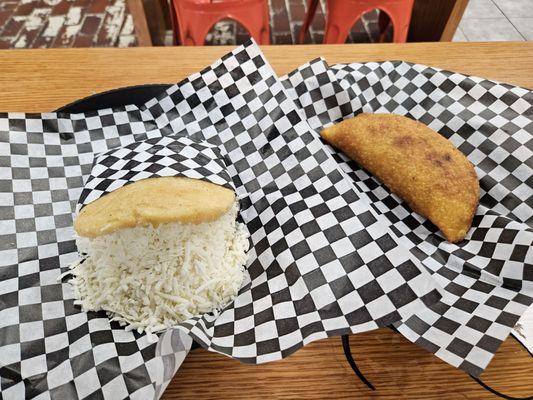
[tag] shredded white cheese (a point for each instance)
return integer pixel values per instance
(152, 278)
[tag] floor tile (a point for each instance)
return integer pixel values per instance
(489, 29)
(482, 9)
(516, 8)
(459, 36)
(47, 23)
(524, 26)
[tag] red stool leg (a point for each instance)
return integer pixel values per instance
(195, 26)
(400, 15)
(255, 18)
(339, 20)
(265, 32)
(183, 16)
(342, 14)
(252, 15)
(311, 10)
(400, 31)
(199, 32)
(195, 18)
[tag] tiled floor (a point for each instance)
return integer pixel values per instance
(65, 23)
(496, 20)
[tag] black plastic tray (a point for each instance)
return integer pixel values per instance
(137, 95)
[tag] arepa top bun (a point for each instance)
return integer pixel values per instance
(154, 201)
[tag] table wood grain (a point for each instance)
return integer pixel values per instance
(397, 368)
(43, 80)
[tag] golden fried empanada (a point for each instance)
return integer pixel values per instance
(416, 163)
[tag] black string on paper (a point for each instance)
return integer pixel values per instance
(362, 378)
(351, 361)
(499, 394)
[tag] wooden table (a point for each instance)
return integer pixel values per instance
(43, 80)
(37, 80)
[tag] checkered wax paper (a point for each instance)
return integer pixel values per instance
(48, 348)
(325, 260)
(322, 261)
(152, 158)
(488, 277)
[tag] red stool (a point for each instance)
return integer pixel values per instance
(342, 15)
(195, 17)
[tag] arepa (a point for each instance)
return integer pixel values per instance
(158, 251)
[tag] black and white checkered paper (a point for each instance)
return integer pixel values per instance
(48, 348)
(153, 158)
(488, 277)
(323, 262)
(332, 251)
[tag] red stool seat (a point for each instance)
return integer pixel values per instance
(196, 17)
(342, 14)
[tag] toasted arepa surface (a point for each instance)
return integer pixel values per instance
(154, 201)
(416, 163)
